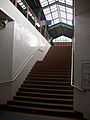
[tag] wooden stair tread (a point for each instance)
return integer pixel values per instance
(54, 99)
(42, 103)
(45, 109)
(50, 94)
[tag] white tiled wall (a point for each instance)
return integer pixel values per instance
(82, 52)
(18, 41)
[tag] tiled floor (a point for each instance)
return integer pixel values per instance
(21, 116)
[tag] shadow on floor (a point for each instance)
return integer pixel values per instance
(20, 116)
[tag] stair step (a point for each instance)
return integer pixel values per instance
(41, 111)
(47, 82)
(41, 105)
(48, 79)
(47, 86)
(46, 90)
(48, 75)
(50, 70)
(44, 95)
(46, 100)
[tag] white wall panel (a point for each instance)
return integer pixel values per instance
(18, 41)
(6, 48)
(82, 53)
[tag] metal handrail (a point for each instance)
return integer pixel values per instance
(21, 68)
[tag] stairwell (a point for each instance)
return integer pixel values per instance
(47, 89)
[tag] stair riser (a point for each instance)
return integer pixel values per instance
(48, 79)
(53, 76)
(46, 91)
(50, 70)
(54, 101)
(43, 112)
(47, 83)
(44, 95)
(48, 87)
(40, 105)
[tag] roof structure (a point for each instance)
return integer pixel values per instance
(57, 13)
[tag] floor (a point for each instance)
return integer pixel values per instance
(20, 116)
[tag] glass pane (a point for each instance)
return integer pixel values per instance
(46, 10)
(42, 0)
(56, 21)
(45, 3)
(69, 10)
(69, 16)
(69, 2)
(53, 7)
(51, 1)
(69, 22)
(63, 14)
(63, 20)
(63, 1)
(55, 14)
(48, 17)
(62, 8)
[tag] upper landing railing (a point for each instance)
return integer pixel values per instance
(23, 6)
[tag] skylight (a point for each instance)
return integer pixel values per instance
(58, 11)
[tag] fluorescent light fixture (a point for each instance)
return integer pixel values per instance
(38, 24)
(20, 3)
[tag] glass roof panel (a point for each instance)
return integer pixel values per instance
(49, 17)
(69, 2)
(69, 10)
(63, 20)
(44, 3)
(69, 22)
(56, 21)
(46, 10)
(63, 1)
(51, 1)
(62, 8)
(69, 16)
(53, 7)
(42, 0)
(63, 14)
(58, 11)
(55, 16)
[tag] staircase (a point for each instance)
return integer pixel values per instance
(47, 89)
